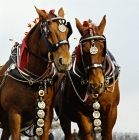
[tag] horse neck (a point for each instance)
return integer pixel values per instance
(36, 45)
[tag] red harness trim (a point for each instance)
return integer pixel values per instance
(91, 27)
(78, 55)
(24, 55)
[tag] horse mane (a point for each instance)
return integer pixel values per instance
(30, 32)
(24, 55)
(78, 55)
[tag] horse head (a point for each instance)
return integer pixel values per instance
(50, 41)
(93, 51)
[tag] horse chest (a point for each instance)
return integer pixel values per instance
(107, 102)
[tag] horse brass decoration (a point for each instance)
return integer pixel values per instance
(93, 49)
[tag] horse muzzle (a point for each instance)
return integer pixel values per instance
(97, 88)
(63, 65)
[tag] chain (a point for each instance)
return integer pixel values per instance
(30, 81)
(62, 92)
(113, 76)
(86, 95)
(113, 84)
(45, 85)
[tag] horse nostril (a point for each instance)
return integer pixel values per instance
(60, 61)
(92, 86)
(101, 85)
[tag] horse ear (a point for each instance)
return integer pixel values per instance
(79, 26)
(102, 25)
(61, 12)
(42, 14)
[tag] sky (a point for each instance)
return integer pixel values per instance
(121, 32)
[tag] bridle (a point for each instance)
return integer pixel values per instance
(92, 38)
(45, 31)
(93, 50)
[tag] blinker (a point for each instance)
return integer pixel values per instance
(61, 26)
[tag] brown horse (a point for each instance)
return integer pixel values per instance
(30, 69)
(89, 92)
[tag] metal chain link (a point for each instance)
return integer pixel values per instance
(87, 92)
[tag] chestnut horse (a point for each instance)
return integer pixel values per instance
(89, 92)
(30, 69)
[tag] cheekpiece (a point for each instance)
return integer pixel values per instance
(39, 131)
(40, 122)
(41, 105)
(41, 92)
(41, 113)
(97, 122)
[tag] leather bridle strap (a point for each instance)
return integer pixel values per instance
(51, 47)
(43, 58)
(94, 66)
(92, 38)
